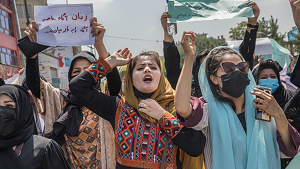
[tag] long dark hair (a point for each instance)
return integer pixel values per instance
(212, 63)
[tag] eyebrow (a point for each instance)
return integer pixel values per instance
(8, 101)
(143, 64)
(76, 68)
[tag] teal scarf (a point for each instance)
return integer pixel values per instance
(231, 146)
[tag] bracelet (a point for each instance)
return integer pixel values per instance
(253, 26)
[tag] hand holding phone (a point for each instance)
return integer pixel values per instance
(259, 113)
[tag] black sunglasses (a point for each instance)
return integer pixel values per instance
(229, 67)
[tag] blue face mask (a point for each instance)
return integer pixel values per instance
(270, 83)
(288, 70)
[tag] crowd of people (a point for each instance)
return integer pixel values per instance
(146, 120)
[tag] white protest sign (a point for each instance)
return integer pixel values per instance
(263, 46)
(64, 25)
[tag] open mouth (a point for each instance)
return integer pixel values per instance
(147, 78)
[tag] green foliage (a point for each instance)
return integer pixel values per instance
(238, 32)
(162, 59)
(202, 42)
(267, 28)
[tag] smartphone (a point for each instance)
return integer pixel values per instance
(172, 28)
(259, 113)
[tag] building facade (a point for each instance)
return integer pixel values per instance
(22, 12)
(10, 61)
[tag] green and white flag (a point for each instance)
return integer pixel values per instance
(197, 10)
(280, 54)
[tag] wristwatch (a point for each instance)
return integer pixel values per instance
(253, 26)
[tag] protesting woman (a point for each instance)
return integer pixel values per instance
(226, 113)
(19, 148)
(88, 138)
(147, 133)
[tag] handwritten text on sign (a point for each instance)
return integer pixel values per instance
(64, 25)
(191, 10)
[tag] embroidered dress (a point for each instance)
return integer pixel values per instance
(140, 143)
(93, 147)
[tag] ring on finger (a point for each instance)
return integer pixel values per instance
(261, 101)
(144, 106)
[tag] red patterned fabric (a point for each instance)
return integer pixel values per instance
(140, 143)
(99, 69)
(170, 124)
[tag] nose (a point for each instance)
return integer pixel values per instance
(147, 69)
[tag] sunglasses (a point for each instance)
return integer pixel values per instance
(229, 67)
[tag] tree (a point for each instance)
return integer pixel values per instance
(267, 28)
(202, 42)
(162, 59)
(238, 32)
(273, 27)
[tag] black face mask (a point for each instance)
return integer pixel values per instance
(72, 77)
(8, 119)
(235, 83)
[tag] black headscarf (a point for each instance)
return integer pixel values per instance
(71, 116)
(196, 91)
(83, 54)
(25, 121)
(295, 76)
(2, 82)
(281, 94)
(292, 110)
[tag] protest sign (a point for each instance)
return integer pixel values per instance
(191, 10)
(263, 46)
(16, 79)
(280, 54)
(64, 25)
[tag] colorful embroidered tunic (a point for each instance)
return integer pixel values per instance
(86, 150)
(139, 143)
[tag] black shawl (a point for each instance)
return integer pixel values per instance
(24, 125)
(196, 91)
(69, 120)
(292, 110)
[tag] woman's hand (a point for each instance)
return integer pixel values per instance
(271, 107)
(256, 12)
(151, 108)
(189, 48)
(119, 58)
(164, 21)
(267, 103)
(164, 24)
(21, 71)
(30, 32)
(295, 4)
(98, 30)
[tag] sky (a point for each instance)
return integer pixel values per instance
(140, 19)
